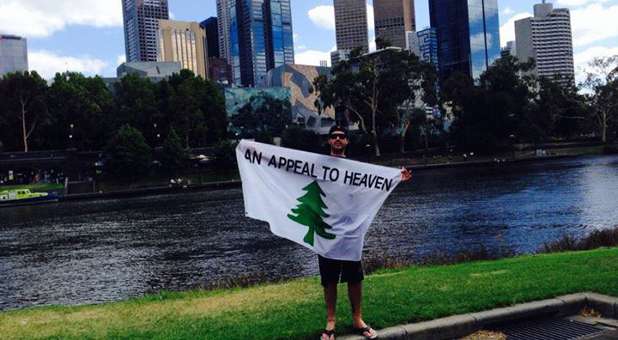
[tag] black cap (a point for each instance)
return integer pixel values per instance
(338, 128)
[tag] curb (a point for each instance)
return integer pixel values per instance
(466, 324)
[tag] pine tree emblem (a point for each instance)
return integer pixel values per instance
(310, 212)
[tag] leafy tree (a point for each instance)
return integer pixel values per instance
(23, 98)
(269, 115)
(196, 108)
(225, 153)
(493, 114)
(130, 156)
(370, 88)
(602, 80)
(82, 107)
(173, 153)
(561, 110)
(310, 213)
(137, 105)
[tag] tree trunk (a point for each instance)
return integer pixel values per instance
(402, 140)
(23, 126)
(604, 127)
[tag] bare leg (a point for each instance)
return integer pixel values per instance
(330, 297)
(355, 293)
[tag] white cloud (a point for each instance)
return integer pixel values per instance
(507, 11)
(575, 3)
(47, 64)
(121, 59)
(42, 18)
(583, 58)
(323, 16)
(593, 23)
(311, 57)
(507, 31)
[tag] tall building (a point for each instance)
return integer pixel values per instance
(547, 38)
(260, 38)
(211, 27)
(468, 33)
(223, 26)
(141, 24)
(392, 19)
(428, 46)
(13, 54)
(183, 42)
(509, 49)
(412, 43)
(351, 25)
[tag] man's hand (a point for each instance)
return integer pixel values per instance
(406, 175)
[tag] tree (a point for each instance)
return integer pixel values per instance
(137, 105)
(195, 108)
(371, 87)
(602, 80)
(81, 107)
(173, 153)
(561, 110)
(492, 115)
(130, 156)
(263, 115)
(299, 138)
(23, 97)
(310, 213)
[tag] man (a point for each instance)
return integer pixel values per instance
(334, 271)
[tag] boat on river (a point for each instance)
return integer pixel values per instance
(25, 197)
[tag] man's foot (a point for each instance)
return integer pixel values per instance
(328, 334)
(361, 328)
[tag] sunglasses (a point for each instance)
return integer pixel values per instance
(339, 136)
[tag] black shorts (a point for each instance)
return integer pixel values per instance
(335, 271)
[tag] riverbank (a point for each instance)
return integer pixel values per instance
(295, 309)
(413, 164)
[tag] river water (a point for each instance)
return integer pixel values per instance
(99, 251)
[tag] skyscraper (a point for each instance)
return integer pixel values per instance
(13, 54)
(351, 25)
(183, 42)
(468, 33)
(547, 38)
(141, 24)
(428, 46)
(223, 25)
(211, 26)
(260, 38)
(392, 19)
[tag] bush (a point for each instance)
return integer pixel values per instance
(225, 153)
(130, 156)
(596, 239)
(173, 153)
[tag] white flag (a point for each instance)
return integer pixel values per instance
(321, 202)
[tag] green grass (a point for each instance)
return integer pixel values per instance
(43, 187)
(296, 310)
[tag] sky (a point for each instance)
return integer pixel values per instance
(87, 35)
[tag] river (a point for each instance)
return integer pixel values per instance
(99, 251)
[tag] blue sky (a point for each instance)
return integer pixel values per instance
(87, 35)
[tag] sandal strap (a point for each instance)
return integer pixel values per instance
(329, 332)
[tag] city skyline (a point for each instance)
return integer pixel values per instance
(94, 44)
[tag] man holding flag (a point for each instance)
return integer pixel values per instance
(324, 203)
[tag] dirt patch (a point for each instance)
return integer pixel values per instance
(485, 335)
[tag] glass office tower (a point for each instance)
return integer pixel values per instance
(13, 54)
(468, 34)
(261, 38)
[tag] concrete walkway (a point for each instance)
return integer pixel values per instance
(462, 325)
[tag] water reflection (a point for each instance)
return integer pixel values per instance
(89, 252)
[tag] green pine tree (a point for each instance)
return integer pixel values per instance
(310, 212)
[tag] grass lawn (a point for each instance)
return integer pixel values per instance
(296, 310)
(43, 187)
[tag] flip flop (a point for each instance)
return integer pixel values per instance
(368, 329)
(329, 333)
